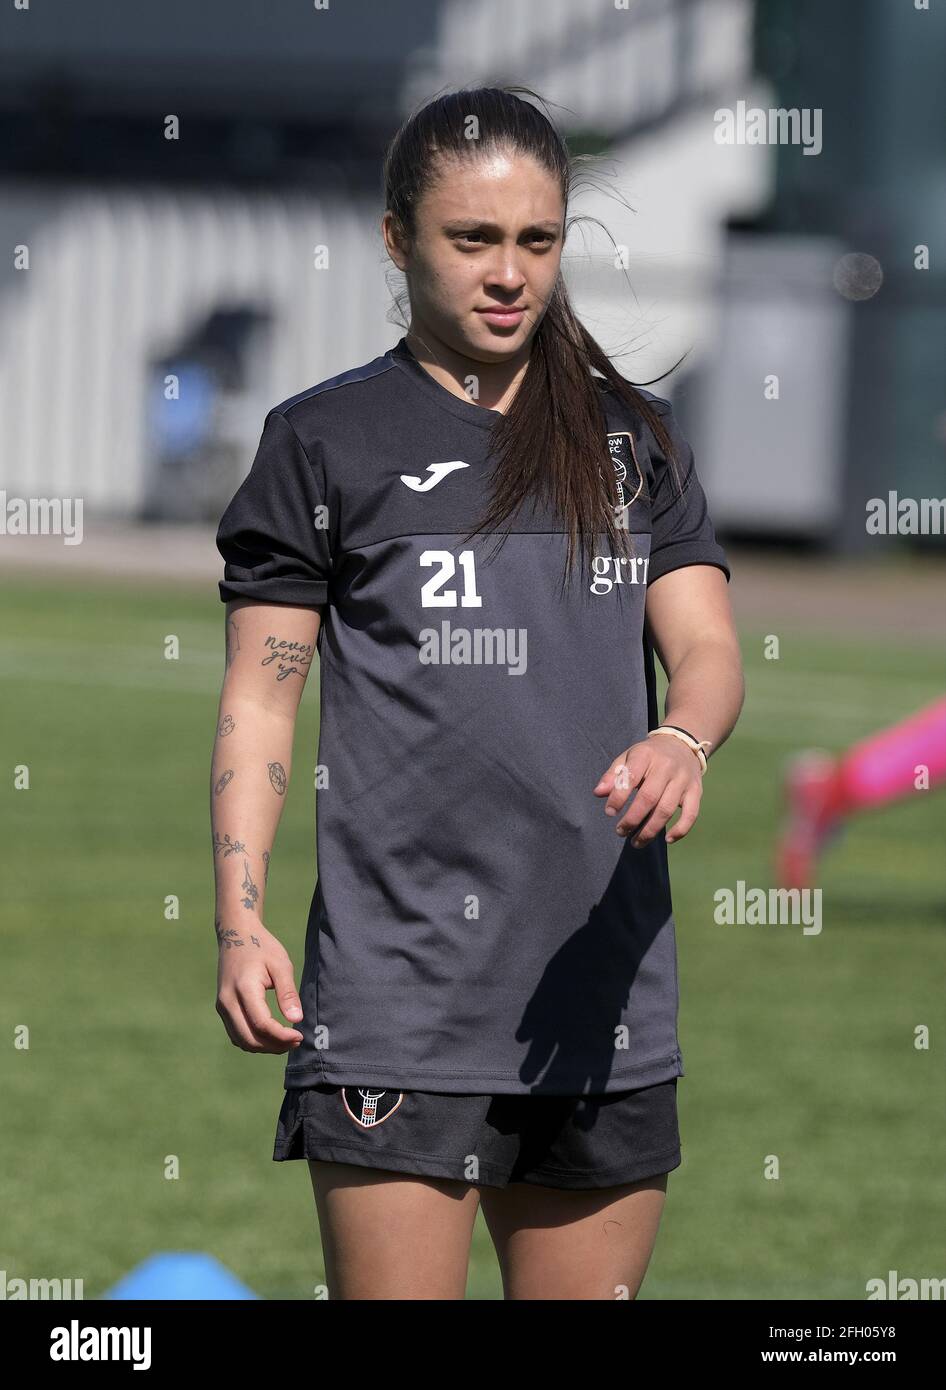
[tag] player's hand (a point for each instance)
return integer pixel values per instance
(252, 961)
(666, 774)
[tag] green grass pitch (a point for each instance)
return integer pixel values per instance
(794, 1046)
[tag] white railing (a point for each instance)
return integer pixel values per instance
(118, 278)
(617, 70)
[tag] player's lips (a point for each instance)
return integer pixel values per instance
(506, 317)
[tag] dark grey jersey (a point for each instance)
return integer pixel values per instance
(477, 926)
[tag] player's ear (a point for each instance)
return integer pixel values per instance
(395, 239)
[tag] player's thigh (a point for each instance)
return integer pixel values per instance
(389, 1235)
(556, 1243)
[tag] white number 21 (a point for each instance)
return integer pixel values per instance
(431, 598)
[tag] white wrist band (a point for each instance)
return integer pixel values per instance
(686, 738)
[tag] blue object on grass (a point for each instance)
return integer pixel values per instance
(180, 1274)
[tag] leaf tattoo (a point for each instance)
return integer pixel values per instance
(229, 938)
(249, 887)
(224, 781)
(277, 775)
(228, 846)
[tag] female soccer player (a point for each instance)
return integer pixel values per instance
(486, 532)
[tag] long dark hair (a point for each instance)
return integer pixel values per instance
(550, 443)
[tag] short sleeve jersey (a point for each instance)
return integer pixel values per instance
(477, 926)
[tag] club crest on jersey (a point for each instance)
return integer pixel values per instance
(368, 1107)
(628, 478)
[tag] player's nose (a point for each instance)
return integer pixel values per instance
(505, 272)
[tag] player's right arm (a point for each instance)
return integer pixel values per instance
(269, 650)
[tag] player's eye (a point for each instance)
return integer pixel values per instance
(478, 238)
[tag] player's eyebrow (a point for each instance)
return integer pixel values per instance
(472, 224)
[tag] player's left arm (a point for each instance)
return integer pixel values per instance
(689, 621)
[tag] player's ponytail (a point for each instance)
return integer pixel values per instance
(550, 443)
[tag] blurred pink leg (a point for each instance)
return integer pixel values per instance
(882, 768)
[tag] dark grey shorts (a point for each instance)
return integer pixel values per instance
(554, 1141)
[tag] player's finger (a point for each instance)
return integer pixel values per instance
(648, 793)
(251, 994)
(690, 810)
(284, 983)
(606, 780)
(625, 773)
(653, 805)
(229, 1009)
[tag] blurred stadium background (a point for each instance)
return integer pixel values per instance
(129, 256)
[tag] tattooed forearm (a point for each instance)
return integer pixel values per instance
(249, 887)
(226, 726)
(223, 781)
(290, 657)
(277, 775)
(228, 846)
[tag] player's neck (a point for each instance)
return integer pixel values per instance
(495, 383)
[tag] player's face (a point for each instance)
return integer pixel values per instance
(486, 254)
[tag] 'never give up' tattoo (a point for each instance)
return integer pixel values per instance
(292, 658)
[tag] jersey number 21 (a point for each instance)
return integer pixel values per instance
(432, 593)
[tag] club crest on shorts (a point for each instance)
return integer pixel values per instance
(628, 478)
(369, 1107)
